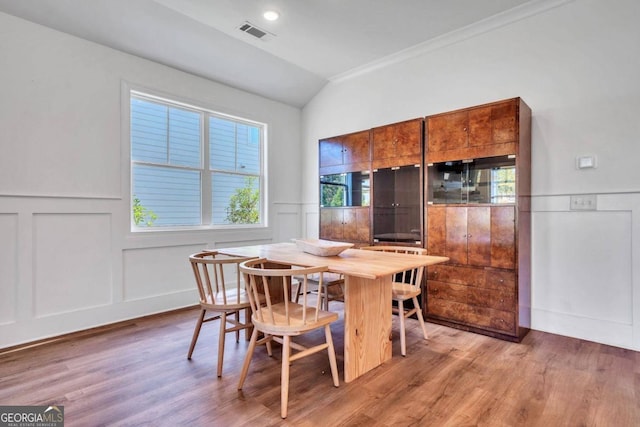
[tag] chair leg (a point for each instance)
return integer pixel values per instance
(237, 317)
(325, 298)
(247, 321)
(247, 358)
(297, 292)
(403, 339)
(223, 327)
(196, 333)
(284, 382)
(332, 356)
(420, 318)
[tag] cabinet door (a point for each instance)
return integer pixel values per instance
(384, 144)
(398, 140)
(456, 234)
(408, 218)
(330, 152)
(331, 223)
(447, 131)
(495, 124)
(436, 231)
(480, 127)
(408, 139)
(356, 147)
(503, 243)
(504, 122)
(363, 226)
(479, 235)
(383, 202)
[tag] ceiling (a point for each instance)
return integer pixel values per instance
(313, 42)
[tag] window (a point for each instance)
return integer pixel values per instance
(192, 167)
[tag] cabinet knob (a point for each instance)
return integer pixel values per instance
(501, 280)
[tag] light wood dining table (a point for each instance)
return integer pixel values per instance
(367, 295)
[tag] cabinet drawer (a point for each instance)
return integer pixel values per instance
(478, 277)
(446, 291)
(503, 321)
(497, 279)
(457, 275)
(503, 299)
(473, 316)
(450, 310)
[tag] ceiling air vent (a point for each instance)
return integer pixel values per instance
(249, 28)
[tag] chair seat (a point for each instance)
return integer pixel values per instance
(233, 303)
(295, 325)
(404, 291)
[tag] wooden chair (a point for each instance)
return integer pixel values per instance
(220, 297)
(406, 286)
(283, 319)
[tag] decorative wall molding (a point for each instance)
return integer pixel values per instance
(499, 20)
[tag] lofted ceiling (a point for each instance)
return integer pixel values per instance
(313, 42)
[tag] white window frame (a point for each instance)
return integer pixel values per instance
(206, 172)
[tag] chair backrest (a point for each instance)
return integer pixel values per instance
(209, 269)
(278, 311)
(413, 276)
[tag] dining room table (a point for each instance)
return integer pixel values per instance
(368, 279)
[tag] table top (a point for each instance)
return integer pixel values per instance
(352, 262)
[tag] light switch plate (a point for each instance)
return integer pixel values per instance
(584, 202)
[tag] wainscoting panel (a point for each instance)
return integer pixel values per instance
(71, 262)
(287, 219)
(311, 217)
(583, 270)
(8, 267)
(158, 271)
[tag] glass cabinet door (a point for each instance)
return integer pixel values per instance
(396, 204)
(490, 180)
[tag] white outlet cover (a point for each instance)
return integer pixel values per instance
(586, 162)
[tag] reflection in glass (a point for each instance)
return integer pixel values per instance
(487, 180)
(345, 189)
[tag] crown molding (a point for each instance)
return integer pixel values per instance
(499, 20)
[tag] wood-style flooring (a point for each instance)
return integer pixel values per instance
(137, 374)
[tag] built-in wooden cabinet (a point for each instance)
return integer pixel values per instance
(478, 214)
(457, 183)
(397, 144)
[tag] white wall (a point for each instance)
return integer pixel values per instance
(576, 65)
(67, 258)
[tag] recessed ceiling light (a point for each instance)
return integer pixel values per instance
(271, 15)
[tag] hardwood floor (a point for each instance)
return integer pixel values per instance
(138, 374)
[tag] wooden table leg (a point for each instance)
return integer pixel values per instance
(367, 325)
